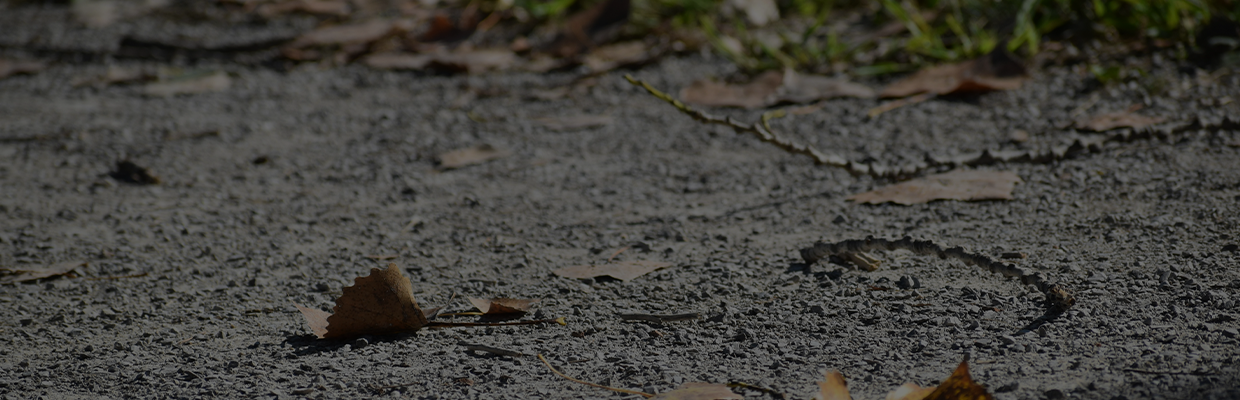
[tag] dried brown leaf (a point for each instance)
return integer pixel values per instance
(772, 88)
(10, 67)
(699, 391)
(397, 61)
(502, 305)
(316, 318)
(469, 156)
(754, 94)
(625, 271)
(996, 71)
(443, 30)
(955, 185)
(959, 386)
(833, 387)
(212, 82)
(1122, 119)
(909, 391)
(13, 275)
(612, 56)
(576, 122)
(102, 13)
(365, 32)
(377, 304)
(802, 88)
(473, 61)
(337, 8)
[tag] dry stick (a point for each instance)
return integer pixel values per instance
(613, 255)
(437, 324)
(1058, 298)
(101, 278)
(548, 364)
(985, 157)
(489, 349)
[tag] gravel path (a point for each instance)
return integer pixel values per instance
(277, 190)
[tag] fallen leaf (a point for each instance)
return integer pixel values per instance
(12, 275)
(959, 386)
(1122, 119)
(472, 61)
(377, 304)
(189, 84)
(127, 171)
(699, 391)
(624, 271)
(469, 156)
(955, 185)
(833, 387)
(13, 67)
(572, 123)
(316, 318)
(443, 30)
(337, 8)
(996, 71)
(502, 305)
(102, 13)
(754, 94)
(772, 88)
(591, 27)
(397, 61)
(612, 56)
(344, 34)
(909, 391)
(801, 88)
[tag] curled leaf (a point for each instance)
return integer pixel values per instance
(377, 304)
(959, 386)
(833, 387)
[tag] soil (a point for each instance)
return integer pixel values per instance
(288, 185)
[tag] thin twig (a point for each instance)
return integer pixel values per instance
(613, 255)
(548, 364)
(489, 349)
(1057, 296)
(438, 324)
(1093, 144)
(100, 278)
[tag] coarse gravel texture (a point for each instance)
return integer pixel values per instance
(276, 190)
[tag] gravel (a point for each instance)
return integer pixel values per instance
(208, 264)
